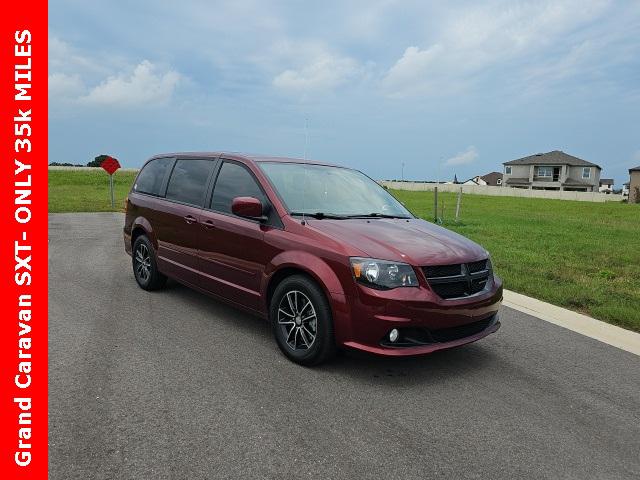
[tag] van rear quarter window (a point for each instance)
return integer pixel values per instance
(152, 175)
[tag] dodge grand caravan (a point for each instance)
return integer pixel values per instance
(322, 252)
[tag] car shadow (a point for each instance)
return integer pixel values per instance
(357, 365)
(431, 368)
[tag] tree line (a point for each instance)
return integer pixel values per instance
(96, 162)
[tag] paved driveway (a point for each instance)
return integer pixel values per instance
(173, 384)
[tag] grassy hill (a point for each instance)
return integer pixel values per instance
(87, 190)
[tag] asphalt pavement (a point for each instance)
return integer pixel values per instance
(176, 385)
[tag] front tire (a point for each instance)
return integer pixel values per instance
(301, 320)
(145, 266)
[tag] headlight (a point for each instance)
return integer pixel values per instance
(382, 274)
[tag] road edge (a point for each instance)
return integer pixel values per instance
(576, 322)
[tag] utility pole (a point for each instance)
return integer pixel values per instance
(306, 137)
(435, 194)
(402, 171)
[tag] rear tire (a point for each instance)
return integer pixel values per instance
(301, 321)
(145, 266)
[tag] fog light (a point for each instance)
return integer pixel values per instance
(394, 334)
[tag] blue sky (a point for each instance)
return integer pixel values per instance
(449, 87)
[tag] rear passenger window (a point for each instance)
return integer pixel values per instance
(234, 181)
(189, 180)
(152, 175)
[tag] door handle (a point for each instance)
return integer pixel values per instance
(208, 224)
(190, 219)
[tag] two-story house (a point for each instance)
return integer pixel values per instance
(552, 171)
(606, 185)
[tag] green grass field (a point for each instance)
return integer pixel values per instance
(87, 190)
(580, 255)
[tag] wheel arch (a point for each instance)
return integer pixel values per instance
(298, 262)
(141, 226)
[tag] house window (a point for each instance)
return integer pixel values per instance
(545, 171)
(507, 170)
(586, 172)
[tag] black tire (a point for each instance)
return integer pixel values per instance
(145, 267)
(297, 346)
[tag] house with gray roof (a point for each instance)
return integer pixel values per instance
(493, 179)
(552, 171)
(606, 185)
(634, 185)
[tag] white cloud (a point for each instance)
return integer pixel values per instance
(325, 72)
(413, 71)
(67, 59)
(63, 85)
(144, 86)
(465, 157)
(483, 37)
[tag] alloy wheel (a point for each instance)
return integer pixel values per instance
(143, 263)
(298, 320)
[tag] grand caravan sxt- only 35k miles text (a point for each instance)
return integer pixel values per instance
(323, 252)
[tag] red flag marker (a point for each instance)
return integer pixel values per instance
(110, 166)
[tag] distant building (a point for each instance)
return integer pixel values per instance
(552, 171)
(634, 185)
(493, 179)
(474, 181)
(606, 185)
(625, 189)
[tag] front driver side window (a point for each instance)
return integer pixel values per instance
(234, 180)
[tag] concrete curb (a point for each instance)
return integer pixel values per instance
(590, 327)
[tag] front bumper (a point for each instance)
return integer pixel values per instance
(425, 348)
(426, 322)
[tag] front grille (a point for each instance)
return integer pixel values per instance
(459, 280)
(442, 270)
(477, 266)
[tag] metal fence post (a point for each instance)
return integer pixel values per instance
(111, 190)
(435, 204)
(458, 204)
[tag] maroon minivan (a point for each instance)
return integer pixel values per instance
(323, 252)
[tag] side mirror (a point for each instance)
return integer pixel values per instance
(248, 207)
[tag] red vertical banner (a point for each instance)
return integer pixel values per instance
(23, 240)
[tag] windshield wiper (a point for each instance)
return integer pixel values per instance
(377, 215)
(319, 215)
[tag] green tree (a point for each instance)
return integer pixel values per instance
(96, 162)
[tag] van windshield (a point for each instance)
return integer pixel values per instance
(331, 192)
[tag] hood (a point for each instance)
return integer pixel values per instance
(413, 241)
